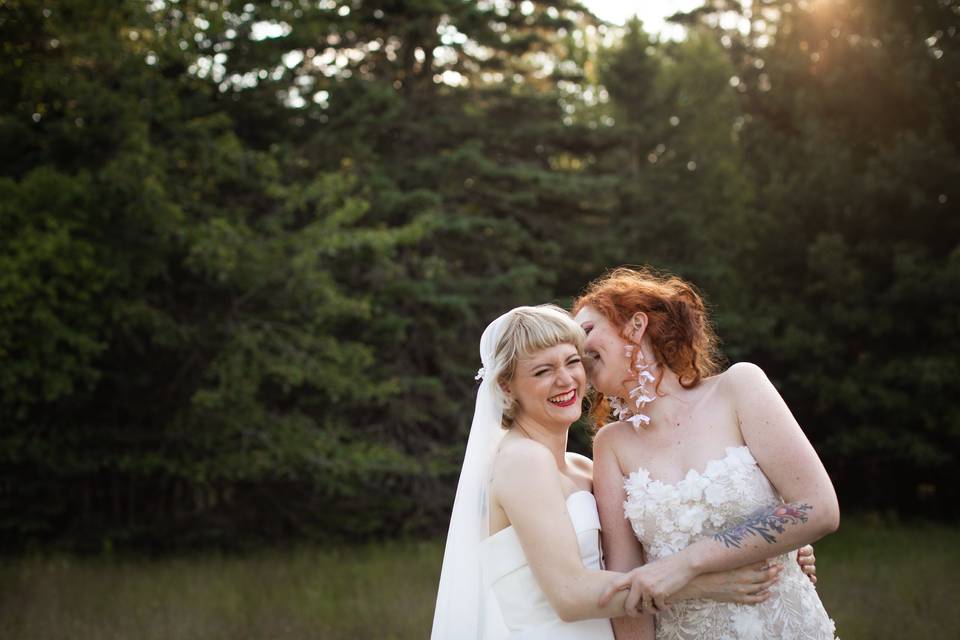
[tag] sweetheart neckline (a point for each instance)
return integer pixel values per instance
(710, 463)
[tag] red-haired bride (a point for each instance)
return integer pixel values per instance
(700, 471)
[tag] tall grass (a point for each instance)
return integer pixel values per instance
(885, 580)
(383, 591)
(877, 581)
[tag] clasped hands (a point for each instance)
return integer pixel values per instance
(651, 585)
(654, 586)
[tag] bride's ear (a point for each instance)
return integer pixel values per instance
(637, 326)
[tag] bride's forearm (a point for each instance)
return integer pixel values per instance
(767, 532)
(770, 531)
(580, 599)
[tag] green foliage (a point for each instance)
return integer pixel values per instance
(50, 280)
(246, 249)
(853, 240)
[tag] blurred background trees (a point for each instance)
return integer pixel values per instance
(247, 248)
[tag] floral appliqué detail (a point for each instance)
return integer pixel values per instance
(667, 518)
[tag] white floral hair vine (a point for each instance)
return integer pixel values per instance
(641, 395)
(480, 373)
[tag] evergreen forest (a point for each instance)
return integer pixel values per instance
(247, 248)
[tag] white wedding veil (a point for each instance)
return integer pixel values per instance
(464, 608)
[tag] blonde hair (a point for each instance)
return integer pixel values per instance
(527, 331)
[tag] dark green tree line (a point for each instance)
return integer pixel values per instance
(247, 248)
(850, 140)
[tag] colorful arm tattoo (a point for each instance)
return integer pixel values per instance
(764, 523)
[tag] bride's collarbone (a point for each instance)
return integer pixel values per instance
(670, 451)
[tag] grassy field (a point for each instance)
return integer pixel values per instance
(891, 581)
(877, 581)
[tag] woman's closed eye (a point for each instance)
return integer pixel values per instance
(572, 361)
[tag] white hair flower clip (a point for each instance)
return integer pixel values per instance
(480, 373)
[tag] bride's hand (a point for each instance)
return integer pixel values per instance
(651, 585)
(808, 562)
(747, 585)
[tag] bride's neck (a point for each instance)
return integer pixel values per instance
(669, 383)
(664, 389)
(669, 393)
(553, 438)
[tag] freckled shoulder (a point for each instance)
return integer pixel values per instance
(611, 436)
(746, 385)
(612, 432)
(742, 369)
(742, 377)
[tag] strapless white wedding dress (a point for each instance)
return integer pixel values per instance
(668, 517)
(524, 607)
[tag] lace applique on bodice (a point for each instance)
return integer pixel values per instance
(668, 517)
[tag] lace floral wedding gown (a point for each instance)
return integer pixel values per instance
(668, 517)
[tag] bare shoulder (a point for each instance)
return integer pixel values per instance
(579, 462)
(744, 371)
(743, 377)
(521, 458)
(580, 470)
(525, 475)
(750, 390)
(610, 436)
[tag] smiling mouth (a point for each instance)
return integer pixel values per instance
(564, 399)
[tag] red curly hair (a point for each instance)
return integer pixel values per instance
(683, 339)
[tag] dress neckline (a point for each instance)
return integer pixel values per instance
(509, 527)
(693, 473)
